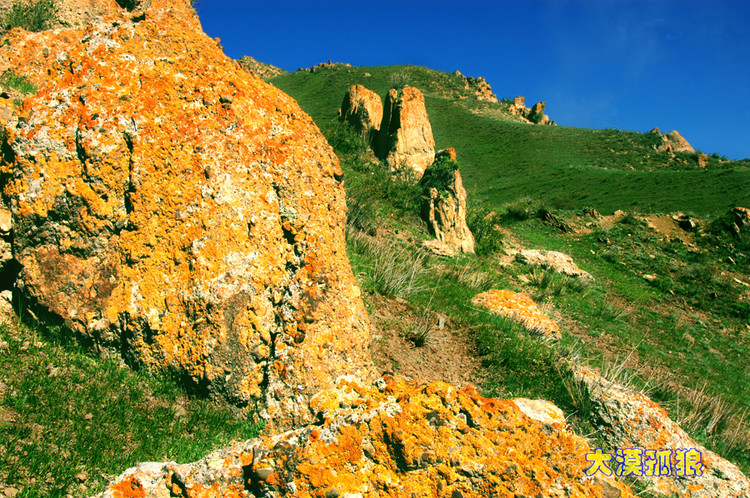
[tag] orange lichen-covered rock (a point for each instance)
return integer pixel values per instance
(405, 132)
(520, 307)
(631, 420)
(395, 438)
(179, 213)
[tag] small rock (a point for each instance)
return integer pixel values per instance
(81, 477)
(10, 492)
(88, 416)
(649, 277)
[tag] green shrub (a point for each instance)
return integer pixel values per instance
(483, 224)
(440, 175)
(31, 15)
(20, 83)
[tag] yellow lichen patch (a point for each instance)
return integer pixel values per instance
(520, 307)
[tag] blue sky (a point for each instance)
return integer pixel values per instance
(632, 65)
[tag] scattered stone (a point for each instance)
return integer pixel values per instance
(631, 420)
(554, 260)
(444, 205)
(650, 277)
(521, 308)
(363, 111)
(394, 438)
(184, 234)
(542, 411)
(405, 132)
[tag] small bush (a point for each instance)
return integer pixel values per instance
(20, 83)
(440, 175)
(31, 15)
(399, 80)
(483, 223)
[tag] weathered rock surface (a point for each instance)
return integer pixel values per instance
(672, 142)
(534, 115)
(405, 132)
(77, 13)
(631, 420)
(521, 308)
(554, 260)
(176, 212)
(259, 69)
(362, 109)
(444, 206)
(397, 439)
(741, 218)
(479, 86)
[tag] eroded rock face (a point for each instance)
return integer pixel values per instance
(362, 109)
(444, 206)
(395, 438)
(672, 142)
(631, 420)
(405, 132)
(176, 212)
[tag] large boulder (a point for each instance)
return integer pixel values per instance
(180, 214)
(395, 438)
(405, 132)
(444, 206)
(362, 109)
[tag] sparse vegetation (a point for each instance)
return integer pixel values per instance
(31, 15)
(69, 423)
(16, 82)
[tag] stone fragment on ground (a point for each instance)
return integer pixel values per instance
(631, 420)
(395, 438)
(521, 308)
(554, 260)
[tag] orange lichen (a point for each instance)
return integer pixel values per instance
(409, 438)
(205, 199)
(520, 307)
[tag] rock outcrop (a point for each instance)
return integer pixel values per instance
(362, 109)
(557, 261)
(631, 420)
(478, 86)
(444, 206)
(521, 308)
(534, 115)
(397, 439)
(405, 132)
(672, 142)
(180, 214)
(259, 69)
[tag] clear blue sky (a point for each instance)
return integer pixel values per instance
(632, 64)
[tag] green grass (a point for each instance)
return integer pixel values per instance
(618, 319)
(69, 422)
(15, 82)
(31, 15)
(503, 160)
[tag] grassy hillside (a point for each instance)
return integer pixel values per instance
(504, 160)
(682, 336)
